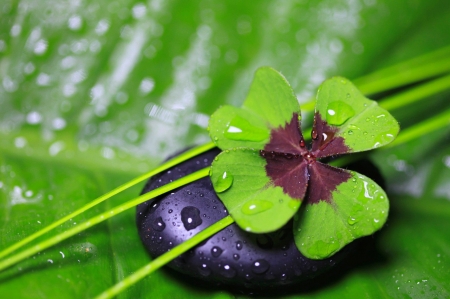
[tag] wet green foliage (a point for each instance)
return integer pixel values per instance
(93, 93)
(263, 184)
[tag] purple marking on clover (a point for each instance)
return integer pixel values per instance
(296, 169)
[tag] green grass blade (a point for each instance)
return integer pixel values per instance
(181, 158)
(102, 217)
(417, 93)
(165, 258)
(437, 122)
(419, 68)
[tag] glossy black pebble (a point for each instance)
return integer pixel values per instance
(232, 256)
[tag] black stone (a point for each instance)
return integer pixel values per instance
(232, 256)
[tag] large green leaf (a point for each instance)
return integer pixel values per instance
(94, 92)
(341, 108)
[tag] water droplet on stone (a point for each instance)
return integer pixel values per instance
(236, 256)
(216, 251)
(158, 224)
(260, 266)
(224, 182)
(190, 216)
(227, 271)
(239, 245)
(204, 270)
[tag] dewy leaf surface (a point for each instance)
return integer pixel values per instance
(269, 104)
(357, 207)
(96, 73)
(240, 179)
(345, 121)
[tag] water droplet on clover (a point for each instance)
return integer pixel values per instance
(256, 206)
(338, 112)
(351, 220)
(314, 134)
(240, 129)
(224, 182)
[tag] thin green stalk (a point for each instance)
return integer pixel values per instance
(166, 258)
(102, 217)
(419, 68)
(437, 122)
(181, 158)
(403, 75)
(417, 93)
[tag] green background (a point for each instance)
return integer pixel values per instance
(93, 93)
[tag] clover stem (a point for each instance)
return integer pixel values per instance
(166, 258)
(102, 217)
(172, 162)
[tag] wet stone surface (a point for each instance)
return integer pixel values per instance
(230, 257)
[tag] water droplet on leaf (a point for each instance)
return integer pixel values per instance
(224, 182)
(338, 112)
(351, 220)
(240, 129)
(256, 206)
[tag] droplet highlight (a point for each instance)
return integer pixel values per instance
(224, 182)
(240, 129)
(158, 224)
(190, 216)
(338, 112)
(216, 251)
(256, 206)
(260, 266)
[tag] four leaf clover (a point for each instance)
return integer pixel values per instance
(266, 170)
